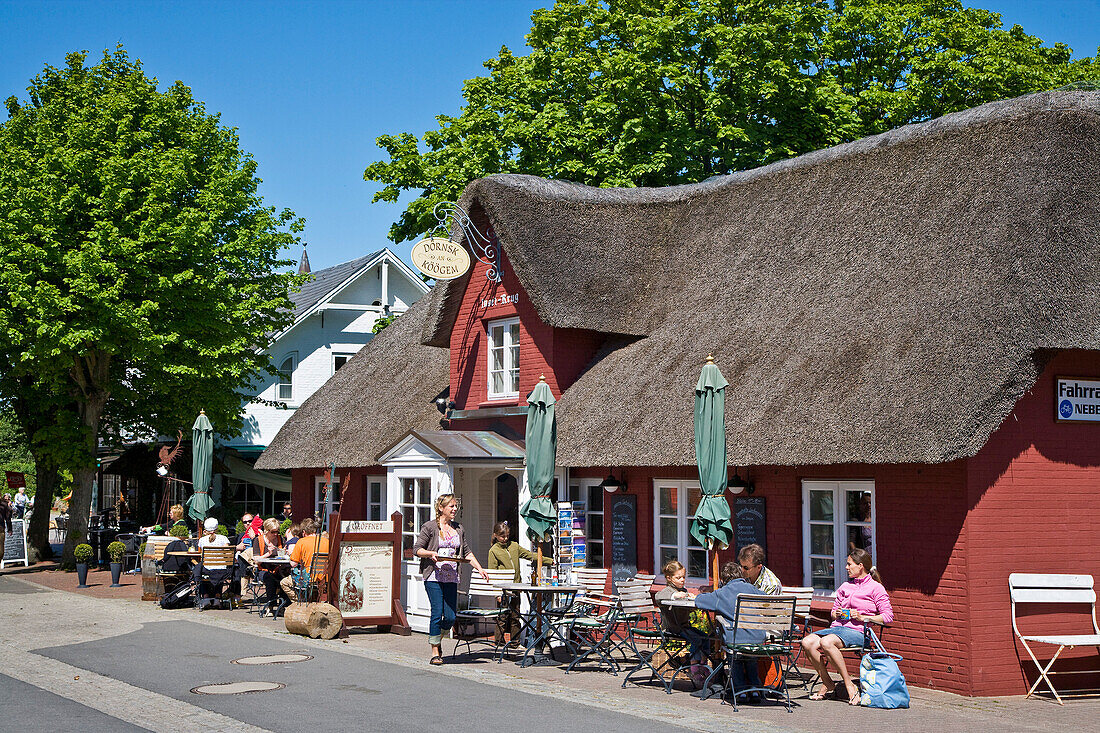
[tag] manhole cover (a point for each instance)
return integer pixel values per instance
(236, 688)
(273, 659)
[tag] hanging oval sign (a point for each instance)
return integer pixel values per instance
(440, 258)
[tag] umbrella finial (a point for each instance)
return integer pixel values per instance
(542, 377)
(710, 358)
(202, 411)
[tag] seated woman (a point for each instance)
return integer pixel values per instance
(267, 545)
(860, 601)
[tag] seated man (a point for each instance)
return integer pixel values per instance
(751, 560)
(301, 555)
(724, 602)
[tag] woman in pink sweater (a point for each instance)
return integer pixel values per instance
(860, 601)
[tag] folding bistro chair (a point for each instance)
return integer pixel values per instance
(472, 615)
(1060, 589)
(772, 615)
(215, 572)
(803, 598)
(307, 586)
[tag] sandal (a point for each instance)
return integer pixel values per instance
(854, 699)
(436, 660)
(822, 695)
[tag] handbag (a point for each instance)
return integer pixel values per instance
(880, 679)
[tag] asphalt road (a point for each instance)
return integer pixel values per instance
(24, 707)
(338, 691)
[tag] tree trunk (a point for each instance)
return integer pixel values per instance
(82, 482)
(38, 531)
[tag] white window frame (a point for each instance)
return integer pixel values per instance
(839, 523)
(288, 376)
(510, 362)
(583, 486)
(409, 535)
(334, 496)
(684, 540)
(337, 355)
(376, 510)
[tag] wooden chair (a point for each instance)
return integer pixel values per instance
(1054, 589)
(804, 596)
(774, 616)
(216, 568)
(166, 580)
(472, 615)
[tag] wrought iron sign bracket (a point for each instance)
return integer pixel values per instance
(453, 218)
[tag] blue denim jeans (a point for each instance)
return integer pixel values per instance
(444, 600)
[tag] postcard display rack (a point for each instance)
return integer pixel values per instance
(569, 548)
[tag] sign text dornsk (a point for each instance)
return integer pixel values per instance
(1077, 399)
(440, 258)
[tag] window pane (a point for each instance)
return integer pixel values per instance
(496, 336)
(425, 490)
(513, 380)
(859, 506)
(859, 537)
(697, 564)
(821, 539)
(422, 517)
(821, 567)
(595, 555)
(595, 526)
(375, 492)
(668, 500)
(407, 496)
(694, 496)
(408, 519)
(407, 543)
(668, 531)
(821, 506)
(595, 499)
(513, 360)
(513, 333)
(667, 553)
(496, 361)
(498, 383)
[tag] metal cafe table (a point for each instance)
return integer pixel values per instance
(539, 624)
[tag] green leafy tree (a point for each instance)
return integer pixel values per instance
(662, 92)
(15, 453)
(140, 273)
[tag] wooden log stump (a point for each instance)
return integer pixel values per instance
(315, 620)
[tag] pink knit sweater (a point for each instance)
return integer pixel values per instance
(863, 595)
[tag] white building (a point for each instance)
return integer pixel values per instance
(334, 317)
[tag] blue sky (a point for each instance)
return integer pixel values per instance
(310, 85)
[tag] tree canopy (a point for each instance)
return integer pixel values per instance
(140, 274)
(662, 92)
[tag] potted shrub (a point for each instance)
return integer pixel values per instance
(284, 526)
(117, 551)
(82, 553)
(179, 532)
(222, 530)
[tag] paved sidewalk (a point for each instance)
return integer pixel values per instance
(101, 612)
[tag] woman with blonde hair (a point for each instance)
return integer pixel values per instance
(438, 540)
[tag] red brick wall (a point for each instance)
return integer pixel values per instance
(353, 500)
(1034, 499)
(560, 354)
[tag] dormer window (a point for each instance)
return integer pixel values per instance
(503, 358)
(285, 391)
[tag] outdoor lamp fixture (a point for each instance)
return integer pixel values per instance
(612, 484)
(737, 484)
(162, 470)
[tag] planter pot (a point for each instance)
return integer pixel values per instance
(116, 573)
(82, 574)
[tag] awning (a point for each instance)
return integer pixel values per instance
(244, 471)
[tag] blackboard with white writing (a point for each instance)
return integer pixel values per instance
(749, 521)
(15, 544)
(624, 538)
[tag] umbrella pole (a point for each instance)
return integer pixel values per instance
(538, 565)
(714, 565)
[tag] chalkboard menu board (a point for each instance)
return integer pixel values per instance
(624, 538)
(15, 544)
(749, 521)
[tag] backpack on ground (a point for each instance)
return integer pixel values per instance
(182, 596)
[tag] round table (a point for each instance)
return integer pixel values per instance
(538, 622)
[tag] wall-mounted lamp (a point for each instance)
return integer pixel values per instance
(162, 470)
(612, 484)
(737, 484)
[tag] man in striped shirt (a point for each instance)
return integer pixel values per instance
(751, 560)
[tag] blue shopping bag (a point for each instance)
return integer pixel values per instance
(882, 682)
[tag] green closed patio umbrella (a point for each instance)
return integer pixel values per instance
(202, 468)
(712, 526)
(542, 448)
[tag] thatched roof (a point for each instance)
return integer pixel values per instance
(888, 300)
(388, 388)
